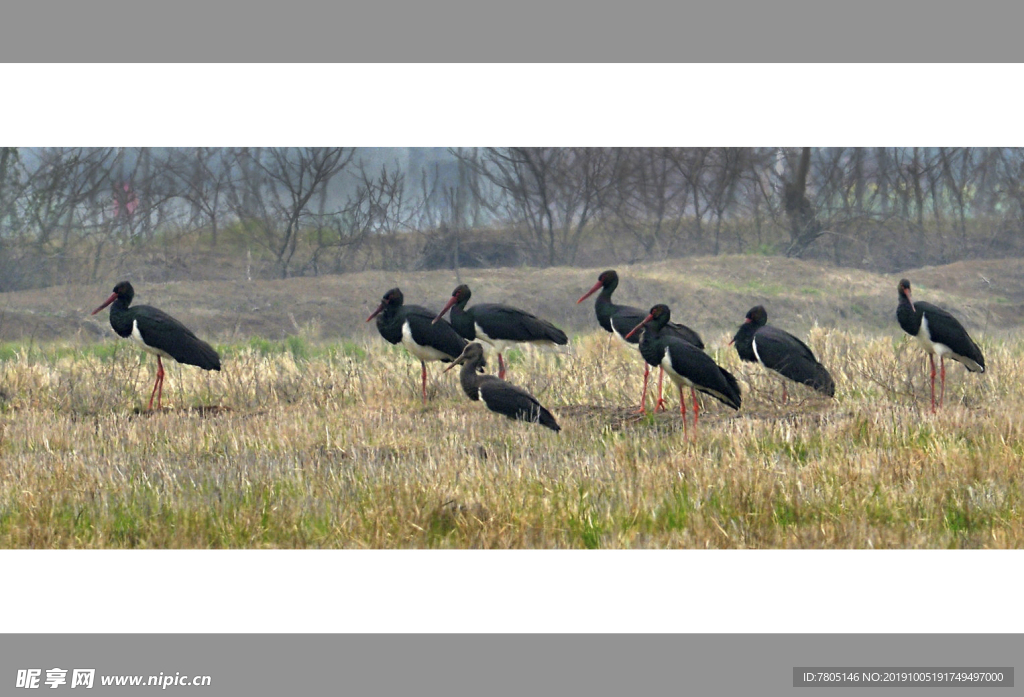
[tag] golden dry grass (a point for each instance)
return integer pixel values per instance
(315, 444)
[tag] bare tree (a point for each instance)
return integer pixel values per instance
(648, 198)
(11, 188)
(957, 165)
(64, 192)
(202, 176)
(804, 227)
(272, 197)
(554, 193)
(726, 170)
(379, 210)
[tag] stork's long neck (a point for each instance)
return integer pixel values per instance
(651, 346)
(905, 301)
(462, 320)
(746, 331)
(121, 318)
(470, 377)
(909, 317)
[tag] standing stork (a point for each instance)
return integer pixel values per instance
(782, 352)
(685, 364)
(412, 326)
(499, 325)
(158, 333)
(938, 333)
(621, 320)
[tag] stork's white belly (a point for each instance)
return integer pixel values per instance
(926, 342)
(424, 353)
(666, 365)
(136, 336)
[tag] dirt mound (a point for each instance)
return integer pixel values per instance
(710, 294)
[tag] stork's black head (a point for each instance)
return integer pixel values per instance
(903, 288)
(391, 300)
(472, 355)
(607, 280)
(460, 296)
(123, 291)
(757, 315)
(660, 315)
(658, 318)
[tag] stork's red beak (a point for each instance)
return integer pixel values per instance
(597, 287)
(451, 301)
(112, 298)
(637, 327)
(906, 292)
(376, 312)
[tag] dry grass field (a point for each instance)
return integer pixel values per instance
(316, 437)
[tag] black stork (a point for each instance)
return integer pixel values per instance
(782, 352)
(499, 396)
(939, 333)
(411, 326)
(620, 320)
(685, 363)
(158, 333)
(500, 326)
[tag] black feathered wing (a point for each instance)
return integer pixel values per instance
(793, 359)
(514, 402)
(512, 324)
(944, 328)
(681, 331)
(684, 360)
(164, 333)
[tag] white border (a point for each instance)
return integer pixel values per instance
(516, 591)
(524, 591)
(497, 104)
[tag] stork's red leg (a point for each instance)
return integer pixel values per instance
(682, 409)
(931, 357)
(660, 404)
(643, 396)
(693, 393)
(942, 366)
(157, 384)
(501, 367)
(160, 375)
(424, 381)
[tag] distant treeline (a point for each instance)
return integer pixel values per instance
(79, 214)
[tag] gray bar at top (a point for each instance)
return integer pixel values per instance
(903, 677)
(528, 30)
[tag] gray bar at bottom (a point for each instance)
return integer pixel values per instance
(902, 677)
